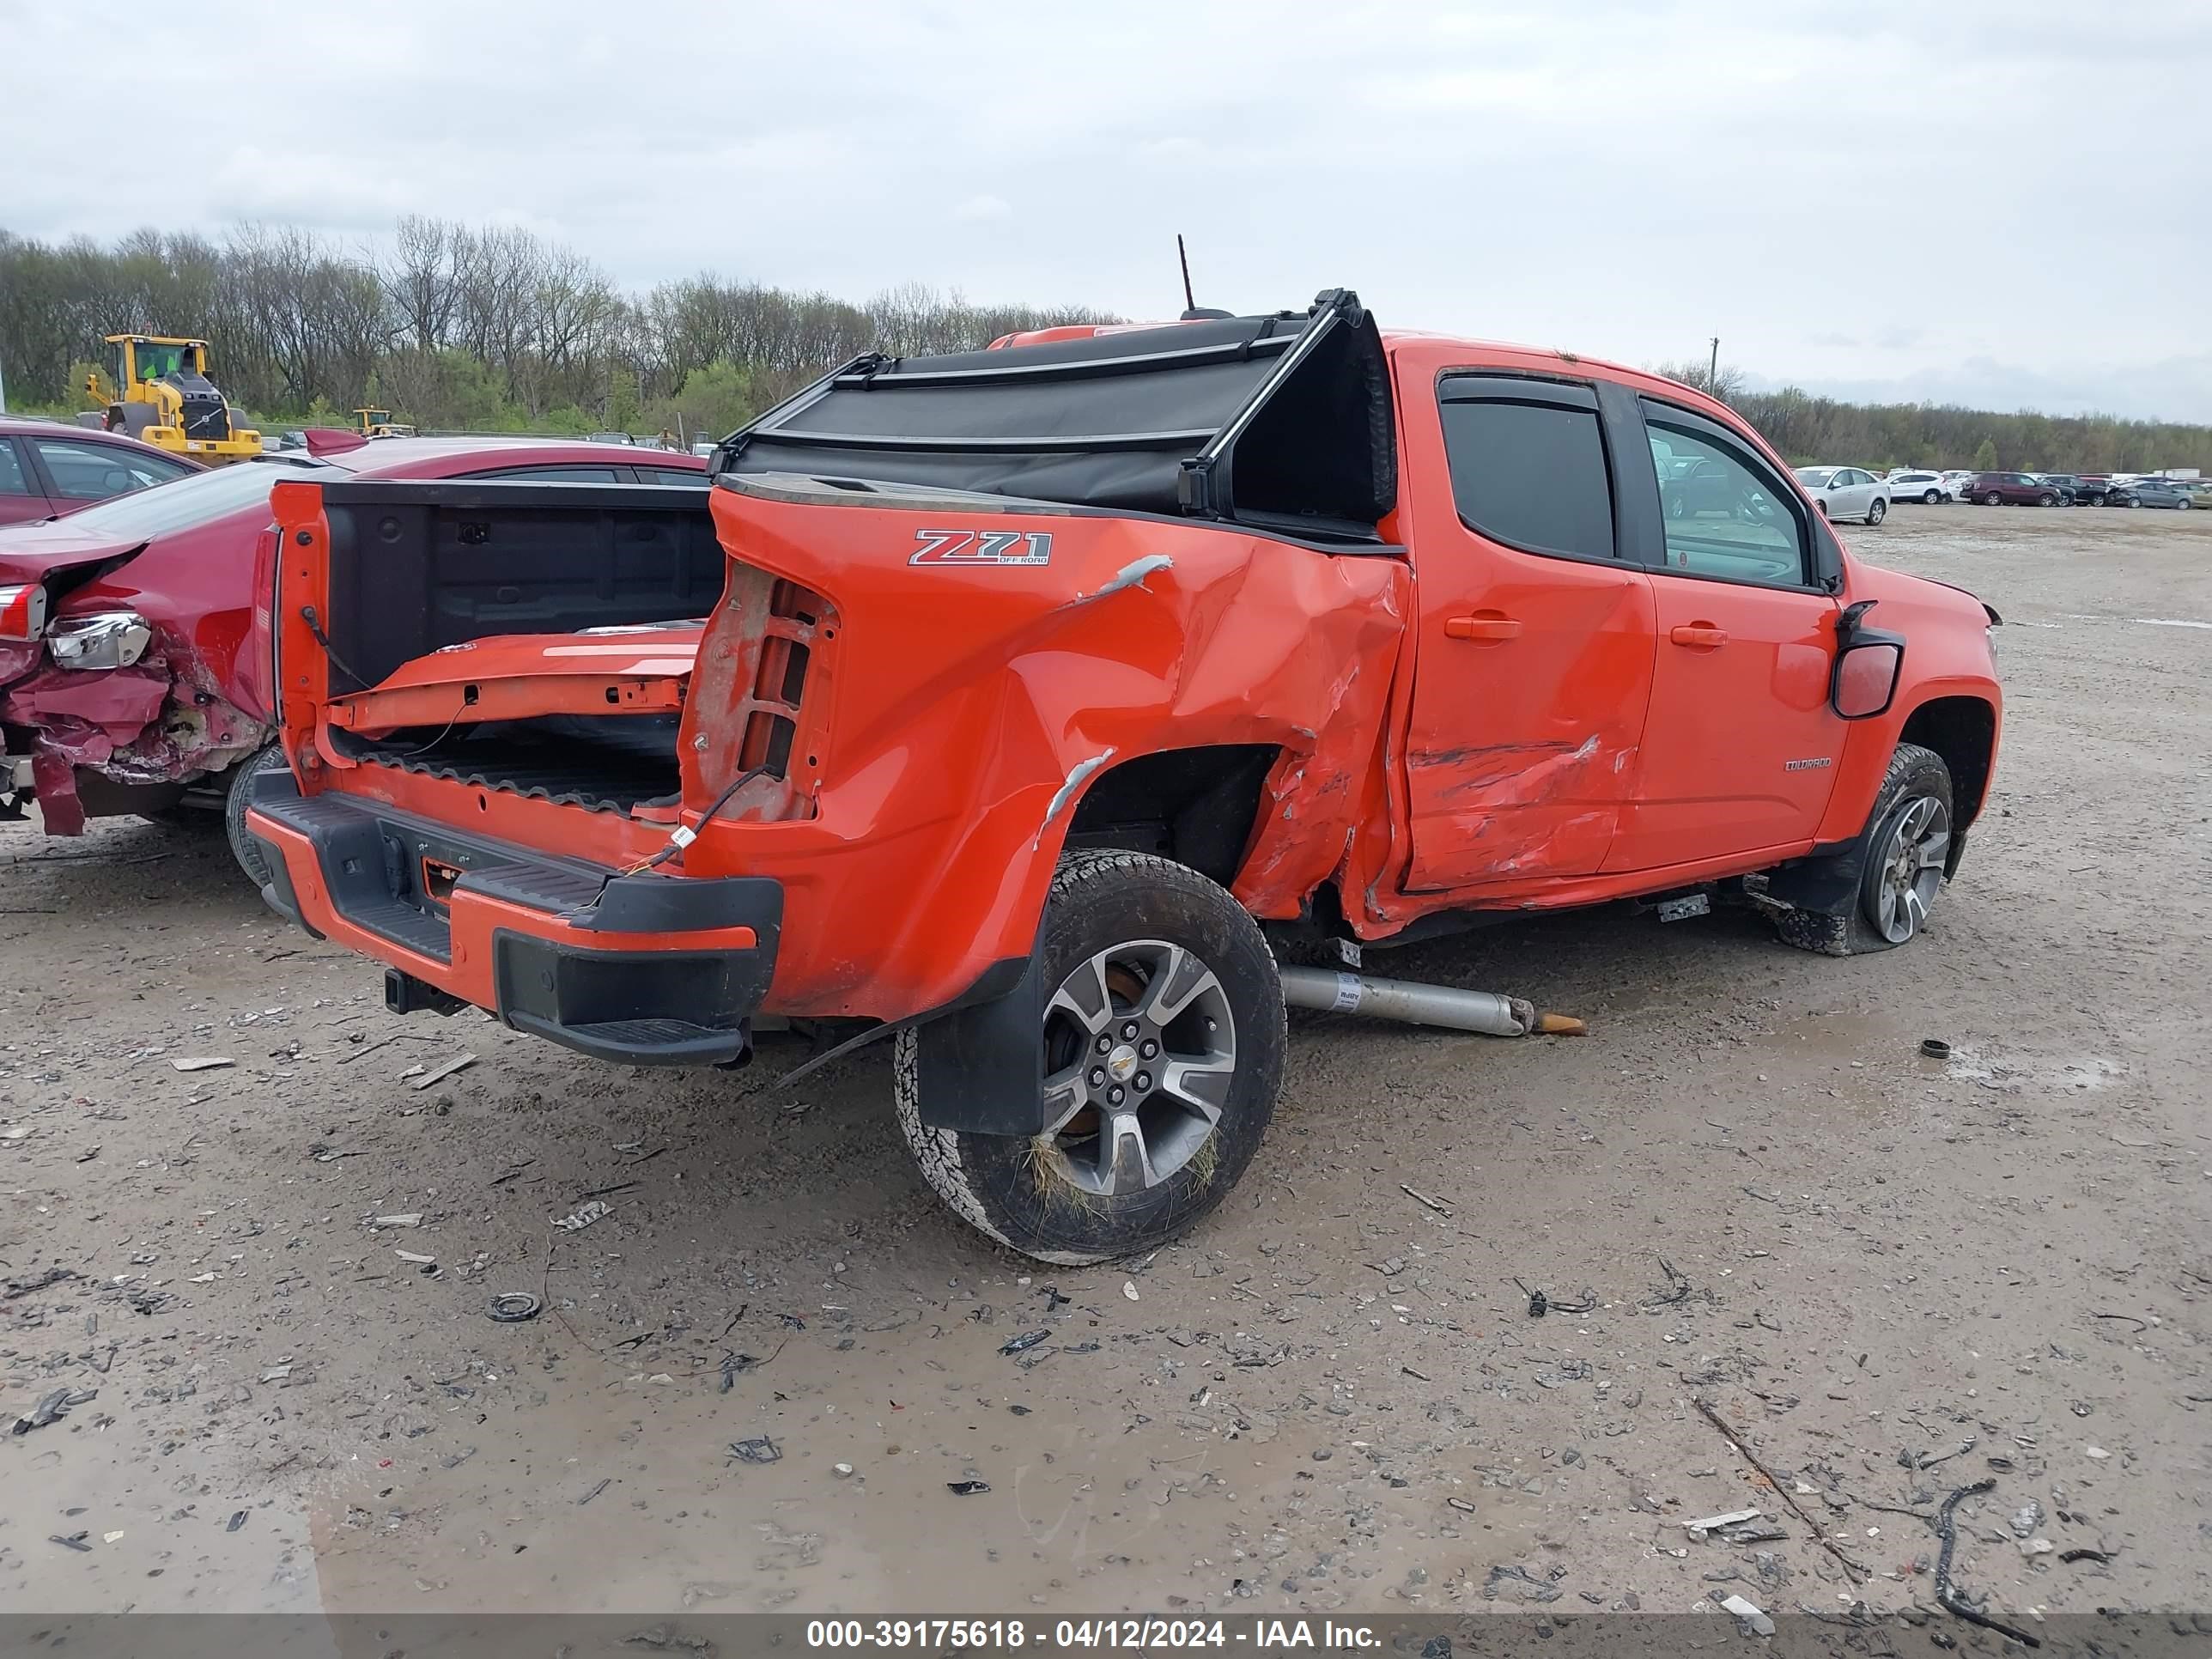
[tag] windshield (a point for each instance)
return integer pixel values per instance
(189, 502)
(158, 361)
(1815, 476)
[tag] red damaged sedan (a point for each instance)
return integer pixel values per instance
(134, 635)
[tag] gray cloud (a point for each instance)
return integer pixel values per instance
(1846, 194)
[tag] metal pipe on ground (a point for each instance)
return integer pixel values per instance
(1486, 1011)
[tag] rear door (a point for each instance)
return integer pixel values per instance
(79, 471)
(1739, 752)
(20, 498)
(1534, 645)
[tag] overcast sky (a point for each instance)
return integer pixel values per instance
(2001, 204)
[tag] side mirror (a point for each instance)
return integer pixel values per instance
(1866, 678)
(1868, 663)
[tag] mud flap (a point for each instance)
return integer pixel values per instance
(981, 1066)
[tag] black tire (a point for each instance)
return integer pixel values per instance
(1028, 1191)
(1992, 498)
(1930, 497)
(1822, 505)
(1916, 776)
(2182, 506)
(2046, 500)
(243, 846)
(1878, 511)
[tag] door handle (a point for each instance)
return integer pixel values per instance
(1699, 634)
(1484, 625)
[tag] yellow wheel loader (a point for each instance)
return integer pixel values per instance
(162, 395)
(378, 423)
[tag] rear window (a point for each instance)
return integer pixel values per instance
(12, 481)
(200, 499)
(1530, 474)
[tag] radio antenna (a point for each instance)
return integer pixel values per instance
(1189, 303)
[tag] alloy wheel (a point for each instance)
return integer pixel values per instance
(1139, 1052)
(1910, 869)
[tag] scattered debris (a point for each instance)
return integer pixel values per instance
(1935, 1048)
(52, 1408)
(1517, 1584)
(584, 1218)
(1540, 1304)
(237, 1519)
(1751, 1618)
(52, 1276)
(2027, 1518)
(2031, 1547)
(414, 1218)
(203, 1063)
(840, 1469)
(1743, 1450)
(2096, 1452)
(1946, 1592)
(1437, 1205)
(1678, 1288)
(73, 1541)
(2102, 1557)
(758, 1449)
(1715, 1522)
(277, 1373)
(441, 1072)
(595, 1492)
(418, 1258)
(1026, 1340)
(514, 1307)
(966, 1488)
(1129, 1289)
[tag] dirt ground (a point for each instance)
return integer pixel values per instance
(1332, 1396)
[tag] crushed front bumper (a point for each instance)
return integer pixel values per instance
(644, 969)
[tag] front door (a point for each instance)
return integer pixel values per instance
(1534, 652)
(1741, 747)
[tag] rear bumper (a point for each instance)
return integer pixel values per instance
(645, 970)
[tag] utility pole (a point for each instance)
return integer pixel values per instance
(1713, 368)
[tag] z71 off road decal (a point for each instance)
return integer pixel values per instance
(982, 547)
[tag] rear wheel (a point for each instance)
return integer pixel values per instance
(1901, 864)
(1878, 511)
(1991, 499)
(243, 846)
(2182, 506)
(2046, 500)
(1162, 1045)
(1930, 497)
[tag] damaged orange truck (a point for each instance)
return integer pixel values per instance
(997, 699)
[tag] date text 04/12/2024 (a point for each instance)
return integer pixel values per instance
(1009, 1635)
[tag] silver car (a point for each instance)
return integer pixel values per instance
(1846, 492)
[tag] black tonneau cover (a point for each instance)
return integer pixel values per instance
(1282, 421)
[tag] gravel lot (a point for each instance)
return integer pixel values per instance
(1331, 1397)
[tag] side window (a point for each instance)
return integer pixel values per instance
(13, 481)
(669, 474)
(1527, 471)
(552, 474)
(1726, 516)
(93, 473)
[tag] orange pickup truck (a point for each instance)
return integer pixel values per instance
(995, 699)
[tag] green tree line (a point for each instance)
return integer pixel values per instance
(450, 325)
(1806, 427)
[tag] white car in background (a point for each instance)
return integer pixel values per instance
(1846, 492)
(1957, 479)
(1929, 487)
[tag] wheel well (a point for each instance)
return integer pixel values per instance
(1196, 806)
(1963, 731)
